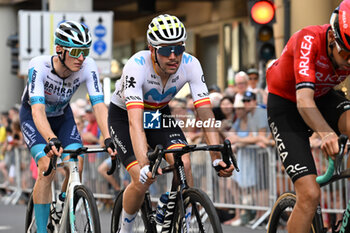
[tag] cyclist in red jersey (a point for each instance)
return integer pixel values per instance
(302, 100)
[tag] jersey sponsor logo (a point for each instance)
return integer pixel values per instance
(329, 79)
(60, 91)
(94, 76)
(294, 170)
(305, 50)
(203, 95)
(156, 96)
(151, 119)
(154, 76)
(28, 134)
(202, 78)
(153, 82)
(132, 98)
(117, 140)
(283, 153)
(33, 79)
(141, 61)
(75, 81)
(130, 82)
(322, 65)
(186, 58)
(175, 79)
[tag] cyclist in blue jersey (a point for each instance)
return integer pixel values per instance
(47, 120)
(150, 80)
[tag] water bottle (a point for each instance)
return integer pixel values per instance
(162, 203)
(60, 203)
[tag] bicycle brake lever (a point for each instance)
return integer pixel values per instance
(230, 158)
(339, 157)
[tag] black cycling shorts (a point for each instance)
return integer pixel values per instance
(292, 134)
(119, 124)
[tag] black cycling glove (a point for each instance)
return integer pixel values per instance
(52, 142)
(109, 144)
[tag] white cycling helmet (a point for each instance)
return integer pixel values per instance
(166, 29)
(73, 34)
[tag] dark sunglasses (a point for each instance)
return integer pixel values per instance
(76, 52)
(245, 101)
(168, 50)
(343, 52)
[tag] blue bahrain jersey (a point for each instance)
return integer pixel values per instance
(141, 87)
(45, 87)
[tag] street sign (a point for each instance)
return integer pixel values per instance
(37, 28)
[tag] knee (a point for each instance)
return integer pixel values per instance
(309, 198)
(187, 163)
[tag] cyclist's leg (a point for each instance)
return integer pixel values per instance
(134, 193)
(292, 142)
(308, 196)
(171, 137)
(68, 134)
(42, 188)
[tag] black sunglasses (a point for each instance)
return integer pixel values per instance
(168, 50)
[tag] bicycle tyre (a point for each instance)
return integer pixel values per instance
(30, 217)
(86, 213)
(140, 224)
(202, 209)
(280, 214)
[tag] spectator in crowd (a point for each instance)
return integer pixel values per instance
(253, 86)
(103, 168)
(3, 138)
(91, 132)
(228, 115)
(241, 84)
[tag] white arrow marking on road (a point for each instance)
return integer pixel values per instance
(2, 228)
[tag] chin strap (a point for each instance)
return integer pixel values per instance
(331, 46)
(63, 59)
(156, 59)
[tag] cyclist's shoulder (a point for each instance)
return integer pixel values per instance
(140, 59)
(188, 60)
(41, 61)
(316, 31)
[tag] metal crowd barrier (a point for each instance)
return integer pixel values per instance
(255, 188)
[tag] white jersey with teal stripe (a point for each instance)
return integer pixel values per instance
(141, 87)
(46, 87)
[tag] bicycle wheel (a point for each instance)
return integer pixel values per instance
(30, 223)
(85, 211)
(140, 224)
(203, 218)
(280, 214)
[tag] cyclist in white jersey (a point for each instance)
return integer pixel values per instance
(47, 121)
(149, 81)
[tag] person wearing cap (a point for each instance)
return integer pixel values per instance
(301, 97)
(253, 85)
(47, 120)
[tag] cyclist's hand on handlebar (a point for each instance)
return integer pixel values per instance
(146, 175)
(53, 147)
(329, 145)
(112, 150)
(220, 165)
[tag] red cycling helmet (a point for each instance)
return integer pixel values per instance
(340, 22)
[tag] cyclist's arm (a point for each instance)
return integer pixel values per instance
(101, 112)
(41, 122)
(137, 135)
(314, 119)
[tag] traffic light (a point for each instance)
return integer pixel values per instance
(262, 13)
(12, 42)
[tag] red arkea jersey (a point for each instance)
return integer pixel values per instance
(304, 63)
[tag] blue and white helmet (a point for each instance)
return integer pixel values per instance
(72, 34)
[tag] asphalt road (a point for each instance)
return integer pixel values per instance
(12, 221)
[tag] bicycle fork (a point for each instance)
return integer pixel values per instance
(74, 180)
